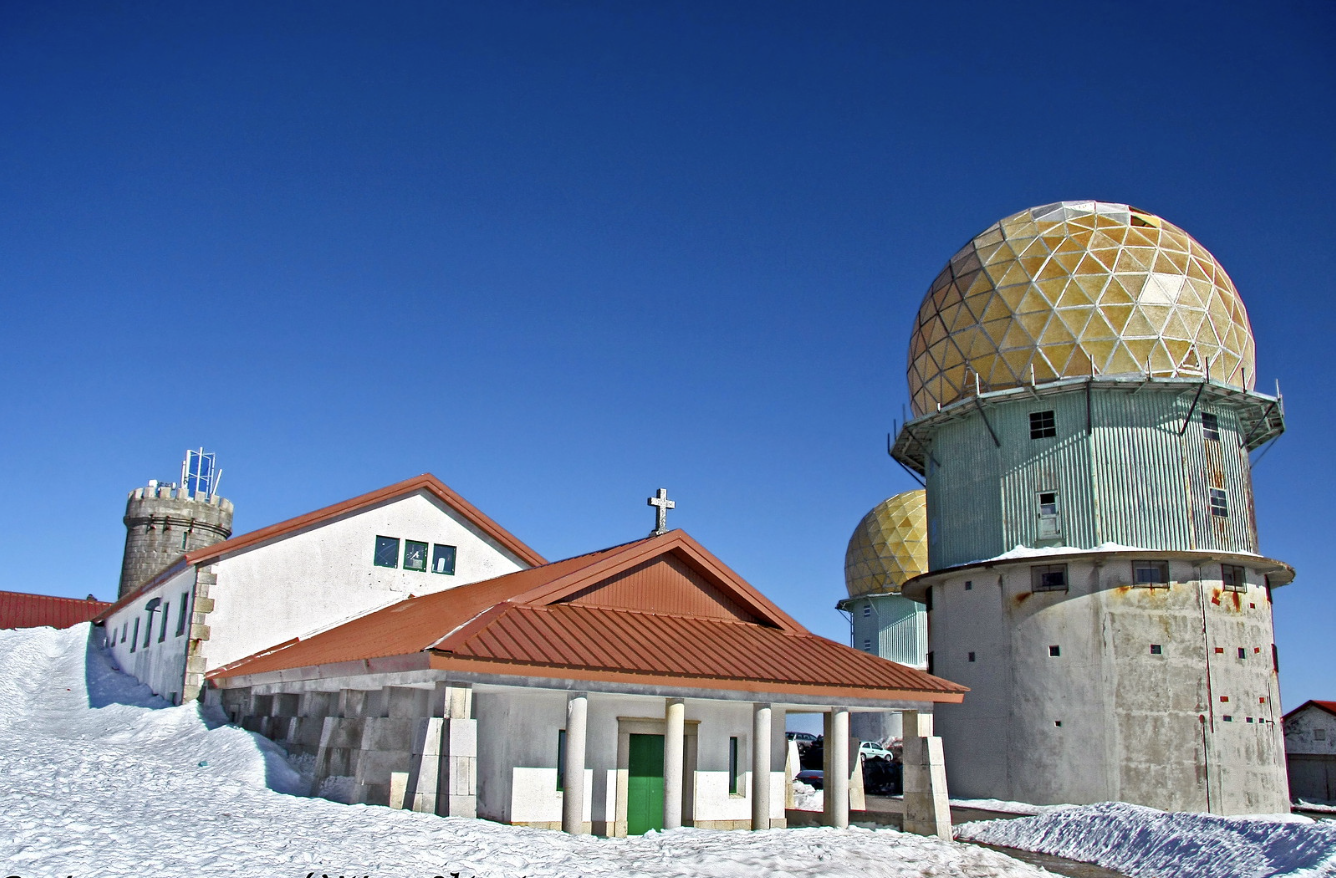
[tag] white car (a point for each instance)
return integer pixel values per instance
(869, 750)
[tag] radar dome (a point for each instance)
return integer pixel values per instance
(889, 546)
(1074, 289)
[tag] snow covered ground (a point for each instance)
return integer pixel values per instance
(102, 779)
(1145, 843)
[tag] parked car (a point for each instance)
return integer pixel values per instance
(871, 750)
(813, 777)
(801, 737)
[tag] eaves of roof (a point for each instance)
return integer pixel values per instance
(1328, 706)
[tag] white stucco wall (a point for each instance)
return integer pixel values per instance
(317, 578)
(1188, 728)
(160, 663)
(517, 758)
(1311, 732)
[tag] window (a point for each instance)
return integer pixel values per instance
(1224, 699)
(415, 556)
(969, 585)
(1042, 425)
(443, 559)
(1049, 526)
(1210, 426)
(134, 641)
(561, 760)
(1048, 503)
(930, 662)
(148, 629)
(387, 552)
(1243, 653)
(867, 645)
(124, 626)
(1156, 649)
(1150, 573)
(1048, 577)
(1054, 651)
(1227, 718)
(1219, 503)
(1319, 734)
(1233, 577)
(733, 766)
(927, 599)
(162, 632)
(181, 619)
(971, 656)
(867, 610)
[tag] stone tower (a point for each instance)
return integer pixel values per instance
(165, 521)
(1081, 378)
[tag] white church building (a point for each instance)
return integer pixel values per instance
(427, 659)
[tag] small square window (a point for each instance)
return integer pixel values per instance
(387, 552)
(1057, 723)
(1150, 573)
(1156, 649)
(867, 645)
(1243, 653)
(1319, 734)
(1233, 577)
(415, 556)
(1219, 649)
(969, 585)
(1042, 425)
(1054, 651)
(1227, 718)
(1262, 700)
(1210, 426)
(1048, 503)
(867, 610)
(443, 559)
(1048, 577)
(1248, 719)
(1224, 699)
(1219, 503)
(971, 656)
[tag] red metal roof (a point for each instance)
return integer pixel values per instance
(425, 482)
(20, 610)
(552, 621)
(1328, 706)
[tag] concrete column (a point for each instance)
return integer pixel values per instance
(837, 777)
(927, 808)
(674, 746)
(573, 770)
(760, 790)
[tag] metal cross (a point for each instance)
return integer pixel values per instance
(663, 504)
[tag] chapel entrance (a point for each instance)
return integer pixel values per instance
(644, 787)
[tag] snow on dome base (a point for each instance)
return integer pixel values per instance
(1072, 289)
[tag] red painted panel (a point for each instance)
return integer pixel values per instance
(663, 585)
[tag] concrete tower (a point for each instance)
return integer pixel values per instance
(889, 546)
(164, 521)
(1081, 376)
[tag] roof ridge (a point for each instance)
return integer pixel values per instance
(567, 605)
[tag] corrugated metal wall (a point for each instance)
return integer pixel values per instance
(1132, 480)
(897, 628)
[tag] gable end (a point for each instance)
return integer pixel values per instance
(666, 585)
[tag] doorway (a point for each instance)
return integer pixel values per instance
(644, 784)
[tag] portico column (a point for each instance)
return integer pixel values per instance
(573, 768)
(837, 779)
(760, 766)
(674, 731)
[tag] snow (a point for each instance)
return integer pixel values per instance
(1143, 842)
(102, 778)
(1020, 552)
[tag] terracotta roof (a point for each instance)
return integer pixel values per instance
(1328, 706)
(572, 619)
(20, 610)
(425, 482)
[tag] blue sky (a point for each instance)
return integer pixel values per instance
(562, 255)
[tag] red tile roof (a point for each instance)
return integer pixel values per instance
(551, 622)
(1328, 706)
(425, 482)
(20, 610)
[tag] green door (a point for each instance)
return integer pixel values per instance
(644, 787)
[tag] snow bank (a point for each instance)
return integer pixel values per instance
(1144, 842)
(102, 778)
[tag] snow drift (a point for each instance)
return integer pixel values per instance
(1146, 843)
(102, 778)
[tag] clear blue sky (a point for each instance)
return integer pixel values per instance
(562, 255)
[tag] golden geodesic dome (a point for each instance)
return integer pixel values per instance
(889, 546)
(1072, 289)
